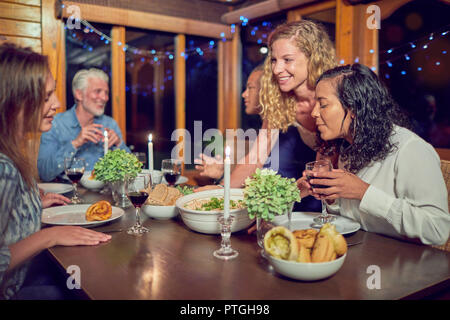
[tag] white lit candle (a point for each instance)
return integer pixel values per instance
(226, 198)
(105, 143)
(150, 153)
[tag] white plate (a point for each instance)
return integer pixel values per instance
(304, 220)
(60, 188)
(75, 215)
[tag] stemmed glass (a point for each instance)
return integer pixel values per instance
(74, 169)
(320, 166)
(137, 190)
(171, 169)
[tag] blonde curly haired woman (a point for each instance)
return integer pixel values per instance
(299, 52)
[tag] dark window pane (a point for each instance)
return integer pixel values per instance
(87, 49)
(150, 91)
(201, 86)
(416, 70)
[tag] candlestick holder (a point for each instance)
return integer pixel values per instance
(225, 252)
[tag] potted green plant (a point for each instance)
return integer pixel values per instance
(114, 168)
(266, 195)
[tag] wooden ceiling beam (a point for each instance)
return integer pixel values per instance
(146, 20)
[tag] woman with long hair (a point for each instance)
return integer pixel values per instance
(28, 103)
(389, 179)
(299, 52)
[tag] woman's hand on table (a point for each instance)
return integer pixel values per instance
(340, 184)
(50, 199)
(74, 236)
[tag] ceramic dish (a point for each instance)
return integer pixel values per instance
(306, 271)
(60, 188)
(304, 220)
(160, 212)
(75, 215)
(91, 184)
(206, 221)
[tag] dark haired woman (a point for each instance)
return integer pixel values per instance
(389, 179)
(28, 103)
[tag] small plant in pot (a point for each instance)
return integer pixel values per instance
(266, 195)
(113, 168)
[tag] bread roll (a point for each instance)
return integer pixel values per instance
(306, 237)
(339, 243)
(323, 250)
(99, 211)
(280, 243)
(304, 254)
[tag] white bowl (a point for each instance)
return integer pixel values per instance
(306, 271)
(90, 184)
(160, 212)
(206, 221)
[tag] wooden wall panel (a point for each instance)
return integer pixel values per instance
(180, 82)
(353, 38)
(118, 93)
(20, 28)
(36, 3)
(20, 12)
(33, 43)
(150, 21)
(20, 23)
(229, 83)
(53, 46)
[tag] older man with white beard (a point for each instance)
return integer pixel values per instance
(78, 132)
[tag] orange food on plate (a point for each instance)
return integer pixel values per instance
(99, 211)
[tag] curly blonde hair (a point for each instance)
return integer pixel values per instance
(279, 108)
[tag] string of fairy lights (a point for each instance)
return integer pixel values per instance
(390, 57)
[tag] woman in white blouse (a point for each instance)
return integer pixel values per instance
(389, 179)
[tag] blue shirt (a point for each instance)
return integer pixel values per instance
(56, 144)
(293, 154)
(20, 216)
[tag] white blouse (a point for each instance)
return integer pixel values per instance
(407, 195)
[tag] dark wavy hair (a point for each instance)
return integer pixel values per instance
(360, 91)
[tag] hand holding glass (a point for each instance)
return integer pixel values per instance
(319, 166)
(74, 169)
(137, 190)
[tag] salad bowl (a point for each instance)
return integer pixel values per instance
(204, 220)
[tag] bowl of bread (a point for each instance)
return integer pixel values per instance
(200, 210)
(160, 203)
(89, 182)
(306, 255)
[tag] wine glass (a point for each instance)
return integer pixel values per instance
(137, 190)
(320, 166)
(171, 169)
(74, 169)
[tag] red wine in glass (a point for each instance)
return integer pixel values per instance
(75, 175)
(315, 185)
(171, 177)
(137, 198)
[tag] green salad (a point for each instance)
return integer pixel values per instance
(218, 204)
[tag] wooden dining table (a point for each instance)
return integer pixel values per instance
(172, 262)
